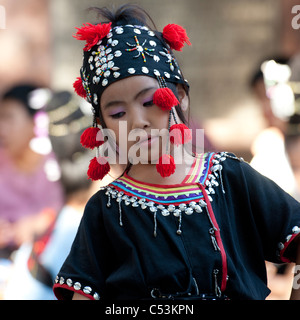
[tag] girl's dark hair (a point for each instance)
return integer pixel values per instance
(135, 15)
(125, 14)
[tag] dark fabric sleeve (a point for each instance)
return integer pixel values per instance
(276, 215)
(84, 269)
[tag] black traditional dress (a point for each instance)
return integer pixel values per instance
(207, 237)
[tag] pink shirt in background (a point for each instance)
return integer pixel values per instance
(23, 194)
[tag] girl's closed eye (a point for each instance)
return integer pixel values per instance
(117, 114)
(148, 103)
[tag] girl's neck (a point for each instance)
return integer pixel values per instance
(148, 173)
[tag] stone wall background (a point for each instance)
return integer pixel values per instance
(25, 47)
(229, 40)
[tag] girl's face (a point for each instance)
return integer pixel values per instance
(131, 100)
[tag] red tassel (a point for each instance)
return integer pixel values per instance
(92, 33)
(166, 165)
(180, 134)
(91, 138)
(98, 168)
(165, 98)
(175, 36)
(78, 87)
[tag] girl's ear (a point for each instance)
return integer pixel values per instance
(183, 97)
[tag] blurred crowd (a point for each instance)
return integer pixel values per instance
(44, 186)
(276, 150)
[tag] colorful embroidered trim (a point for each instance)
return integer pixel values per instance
(283, 246)
(197, 172)
(69, 284)
(186, 192)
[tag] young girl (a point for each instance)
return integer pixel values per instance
(201, 228)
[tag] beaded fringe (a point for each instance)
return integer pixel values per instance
(183, 208)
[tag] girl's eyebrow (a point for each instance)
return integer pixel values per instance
(118, 102)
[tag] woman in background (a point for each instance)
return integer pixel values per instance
(37, 263)
(30, 194)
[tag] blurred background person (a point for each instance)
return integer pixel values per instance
(258, 87)
(37, 263)
(277, 148)
(292, 133)
(30, 193)
(292, 146)
(269, 85)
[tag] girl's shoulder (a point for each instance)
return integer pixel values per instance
(208, 164)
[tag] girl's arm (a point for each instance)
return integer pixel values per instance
(78, 296)
(296, 286)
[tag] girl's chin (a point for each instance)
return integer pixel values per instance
(147, 152)
(146, 158)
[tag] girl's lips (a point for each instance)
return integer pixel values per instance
(148, 141)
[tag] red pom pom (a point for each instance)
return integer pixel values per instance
(92, 33)
(175, 36)
(78, 87)
(91, 138)
(166, 165)
(98, 168)
(180, 134)
(165, 98)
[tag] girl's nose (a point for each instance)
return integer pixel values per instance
(139, 118)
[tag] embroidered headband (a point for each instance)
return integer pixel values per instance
(112, 54)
